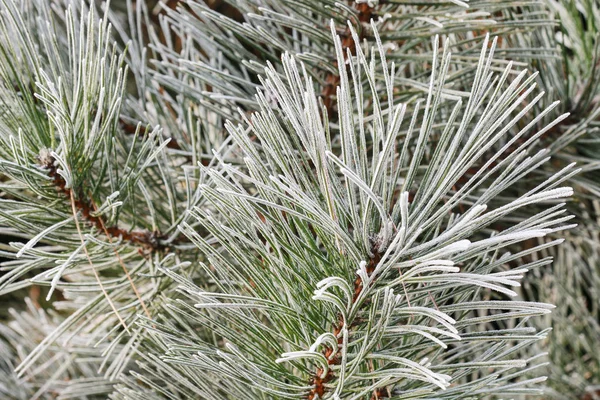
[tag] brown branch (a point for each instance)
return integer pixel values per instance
(317, 381)
(153, 241)
(381, 393)
(591, 395)
(87, 255)
(332, 80)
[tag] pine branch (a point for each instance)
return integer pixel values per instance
(63, 373)
(153, 241)
(298, 218)
(351, 235)
(227, 50)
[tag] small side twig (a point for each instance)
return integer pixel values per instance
(364, 13)
(380, 393)
(153, 241)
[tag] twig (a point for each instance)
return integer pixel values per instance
(146, 239)
(332, 80)
(380, 393)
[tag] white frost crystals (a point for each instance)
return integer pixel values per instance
(361, 262)
(358, 229)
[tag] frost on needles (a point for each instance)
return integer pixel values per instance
(324, 251)
(353, 267)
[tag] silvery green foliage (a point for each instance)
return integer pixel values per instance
(571, 282)
(574, 286)
(69, 368)
(576, 77)
(212, 60)
(362, 265)
(63, 83)
(304, 231)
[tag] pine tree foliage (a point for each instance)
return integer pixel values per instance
(572, 281)
(289, 199)
(67, 369)
(574, 287)
(80, 192)
(363, 292)
(213, 60)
